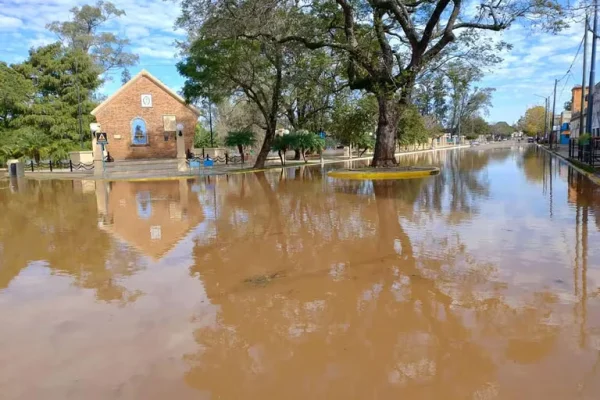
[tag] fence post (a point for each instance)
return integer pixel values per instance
(31, 165)
(50, 163)
(226, 158)
(71, 165)
(203, 156)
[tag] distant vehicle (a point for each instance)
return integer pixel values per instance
(475, 143)
(530, 140)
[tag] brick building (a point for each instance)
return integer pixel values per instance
(141, 119)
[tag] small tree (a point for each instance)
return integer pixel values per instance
(305, 141)
(241, 140)
(364, 142)
(281, 144)
(202, 137)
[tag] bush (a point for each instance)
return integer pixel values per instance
(241, 140)
(584, 139)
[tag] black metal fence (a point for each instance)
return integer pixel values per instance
(52, 166)
(587, 153)
(227, 159)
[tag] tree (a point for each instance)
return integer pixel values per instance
(353, 120)
(532, 123)
(384, 44)
(54, 109)
(15, 92)
(202, 137)
(502, 129)
(218, 68)
(475, 126)
(82, 33)
(241, 140)
(411, 128)
(125, 76)
(281, 144)
(304, 141)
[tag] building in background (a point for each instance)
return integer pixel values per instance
(141, 120)
(576, 110)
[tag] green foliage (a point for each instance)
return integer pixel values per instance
(411, 128)
(202, 138)
(305, 142)
(281, 144)
(354, 121)
(502, 129)
(82, 33)
(584, 139)
(40, 115)
(241, 140)
(58, 75)
(15, 92)
(532, 123)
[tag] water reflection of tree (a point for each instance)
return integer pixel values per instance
(348, 305)
(534, 163)
(51, 221)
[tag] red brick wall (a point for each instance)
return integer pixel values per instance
(117, 115)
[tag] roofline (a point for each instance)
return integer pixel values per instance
(148, 75)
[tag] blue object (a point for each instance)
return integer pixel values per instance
(194, 164)
(139, 135)
(209, 163)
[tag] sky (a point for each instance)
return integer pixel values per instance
(529, 69)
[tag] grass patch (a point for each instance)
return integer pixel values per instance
(263, 280)
(583, 166)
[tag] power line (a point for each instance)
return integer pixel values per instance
(573, 62)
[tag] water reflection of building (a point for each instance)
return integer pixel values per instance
(150, 216)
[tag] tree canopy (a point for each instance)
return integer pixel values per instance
(532, 123)
(83, 33)
(384, 45)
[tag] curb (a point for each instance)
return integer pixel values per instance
(384, 175)
(592, 177)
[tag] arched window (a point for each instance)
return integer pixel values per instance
(139, 134)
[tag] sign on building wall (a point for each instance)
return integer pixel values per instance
(169, 123)
(146, 100)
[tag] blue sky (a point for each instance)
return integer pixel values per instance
(528, 69)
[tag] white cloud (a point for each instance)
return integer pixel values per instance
(41, 40)
(155, 52)
(8, 23)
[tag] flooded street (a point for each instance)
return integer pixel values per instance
(480, 283)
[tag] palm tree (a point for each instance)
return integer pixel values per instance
(281, 146)
(241, 140)
(305, 141)
(33, 145)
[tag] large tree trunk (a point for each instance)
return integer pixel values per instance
(387, 127)
(266, 147)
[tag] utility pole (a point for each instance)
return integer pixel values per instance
(210, 123)
(592, 70)
(552, 117)
(545, 116)
(585, 45)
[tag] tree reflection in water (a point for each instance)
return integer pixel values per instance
(52, 222)
(324, 294)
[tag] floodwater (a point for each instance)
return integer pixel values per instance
(480, 283)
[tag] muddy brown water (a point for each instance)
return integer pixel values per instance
(480, 283)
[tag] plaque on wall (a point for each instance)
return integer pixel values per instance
(169, 123)
(146, 100)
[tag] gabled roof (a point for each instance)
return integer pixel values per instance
(156, 82)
